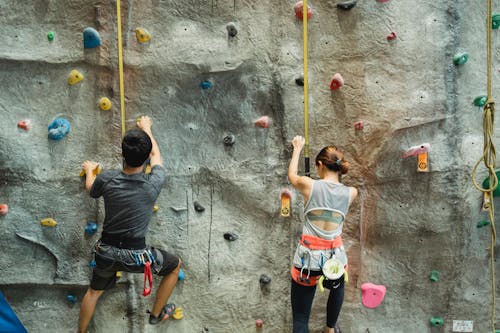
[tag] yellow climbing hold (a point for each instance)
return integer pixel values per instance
(96, 171)
(142, 35)
(178, 314)
(155, 208)
(48, 222)
(105, 104)
(118, 275)
(148, 169)
(74, 77)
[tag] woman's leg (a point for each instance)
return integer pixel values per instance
(302, 298)
(335, 300)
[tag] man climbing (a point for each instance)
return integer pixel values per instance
(129, 197)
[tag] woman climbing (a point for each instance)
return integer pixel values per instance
(327, 202)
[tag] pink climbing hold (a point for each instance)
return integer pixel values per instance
(337, 82)
(4, 209)
(358, 126)
(299, 8)
(25, 124)
(263, 122)
(259, 323)
(392, 36)
(416, 150)
(372, 294)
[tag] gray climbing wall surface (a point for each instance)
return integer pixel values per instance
(404, 224)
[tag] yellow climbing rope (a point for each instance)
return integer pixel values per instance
(120, 64)
(489, 159)
(306, 91)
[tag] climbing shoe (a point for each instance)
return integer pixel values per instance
(167, 311)
(337, 328)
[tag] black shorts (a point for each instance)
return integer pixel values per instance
(110, 259)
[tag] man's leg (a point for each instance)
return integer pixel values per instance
(88, 306)
(165, 289)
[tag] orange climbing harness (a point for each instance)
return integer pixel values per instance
(489, 159)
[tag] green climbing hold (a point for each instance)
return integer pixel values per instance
(434, 276)
(460, 58)
(495, 21)
(51, 35)
(437, 321)
(480, 100)
(486, 184)
(483, 223)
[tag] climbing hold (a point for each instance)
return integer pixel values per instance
(286, 198)
(74, 77)
(118, 275)
(460, 58)
(382, 0)
(48, 222)
(91, 228)
(495, 21)
(337, 81)
(181, 276)
(230, 236)
(483, 223)
(264, 280)
(299, 81)
(96, 171)
(4, 209)
(51, 35)
(142, 35)
(358, 126)
(91, 38)
(25, 124)
(259, 323)
(58, 128)
(155, 208)
(434, 276)
(347, 5)
(71, 298)
(105, 104)
(232, 30)
(178, 314)
(372, 295)
(198, 207)
(205, 85)
(391, 36)
(437, 321)
(486, 184)
(298, 8)
(262, 122)
(229, 140)
(415, 150)
(480, 100)
(92, 263)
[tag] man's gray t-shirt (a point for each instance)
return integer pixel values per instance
(128, 200)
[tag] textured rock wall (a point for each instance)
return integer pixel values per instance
(403, 225)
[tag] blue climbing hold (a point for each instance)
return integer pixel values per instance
(91, 228)
(58, 128)
(206, 85)
(92, 263)
(91, 38)
(181, 275)
(71, 298)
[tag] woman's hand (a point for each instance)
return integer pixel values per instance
(298, 143)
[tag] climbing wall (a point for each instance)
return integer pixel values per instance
(385, 78)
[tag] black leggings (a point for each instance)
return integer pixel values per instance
(302, 298)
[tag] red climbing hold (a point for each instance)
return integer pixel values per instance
(263, 122)
(358, 126)
(25, 124)
(259, 323)
(337, 82)
(392, 36)
(4, 209)
(299, 8)
(372, 294)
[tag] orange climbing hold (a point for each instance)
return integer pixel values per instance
(286, 198)
(25, 124)
(4, 209)
(97, 171)
(299, 8)
(337, 81)
(263, 122)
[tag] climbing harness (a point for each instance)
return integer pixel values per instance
(489, 159)
(120, 64)
(306, 91)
